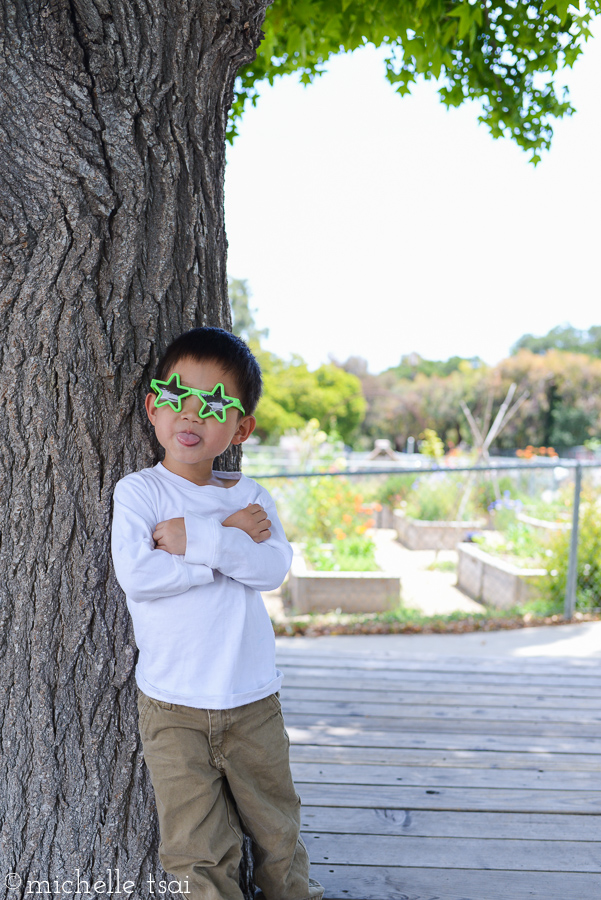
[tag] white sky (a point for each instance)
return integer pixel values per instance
(375, 225)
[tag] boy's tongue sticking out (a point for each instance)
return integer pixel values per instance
(187, 439)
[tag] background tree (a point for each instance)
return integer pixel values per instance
(563, 408)
(293, 395)
(243, 316)
(563, 337)
(112, 126)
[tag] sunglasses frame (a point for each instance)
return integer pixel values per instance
(219, 390)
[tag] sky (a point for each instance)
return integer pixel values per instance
(370, 224)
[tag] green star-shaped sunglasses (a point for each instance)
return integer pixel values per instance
(213, 403)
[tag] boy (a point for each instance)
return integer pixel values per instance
(192, 548)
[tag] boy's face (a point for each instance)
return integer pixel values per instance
(191, 443)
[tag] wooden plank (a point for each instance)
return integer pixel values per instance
(454, 824)
(431, 776)
(453, 853)
(538, 729)
(308, 650)
(396, 883)
(558, 677)
(587, 717)
(450, 798)
(477, 759)
(510, 665)
(357, 734)
(509, 699)
(473, 773)
(450, 686)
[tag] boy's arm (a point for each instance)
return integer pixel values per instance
(170, 535)
(260, 565)
(146, 573)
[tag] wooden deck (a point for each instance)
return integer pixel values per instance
(453, 779)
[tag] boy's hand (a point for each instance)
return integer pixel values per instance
(170, 535)
(253, 520)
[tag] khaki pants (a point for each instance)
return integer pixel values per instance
(216, 775)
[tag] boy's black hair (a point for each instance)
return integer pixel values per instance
(222, 347)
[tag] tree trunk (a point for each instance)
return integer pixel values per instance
(112, 153)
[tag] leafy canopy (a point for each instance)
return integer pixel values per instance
(503, 53)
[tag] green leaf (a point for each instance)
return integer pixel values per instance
(465, 15)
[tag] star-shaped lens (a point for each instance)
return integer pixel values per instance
(170, 392)
(217, 403)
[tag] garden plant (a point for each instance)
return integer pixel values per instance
(329, 517)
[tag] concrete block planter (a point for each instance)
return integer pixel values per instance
(543, 525)
(491, 580)
(417, 534)
(349, 591)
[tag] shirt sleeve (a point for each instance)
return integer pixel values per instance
(234, 553)
(144, 572)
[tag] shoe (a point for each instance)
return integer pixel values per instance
(315, 890)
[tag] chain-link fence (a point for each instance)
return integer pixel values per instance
(515, 531)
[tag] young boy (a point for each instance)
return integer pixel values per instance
(192, 548)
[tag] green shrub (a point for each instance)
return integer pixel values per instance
(329, 516)
(394, 490)
(349, 554)
(325, 510)
(518, 542)
(588, 578)
(437, 498)
(483, 491)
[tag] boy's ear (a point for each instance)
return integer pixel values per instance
(150, 407)
(246, 426)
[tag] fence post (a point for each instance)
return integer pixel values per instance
(570, 598)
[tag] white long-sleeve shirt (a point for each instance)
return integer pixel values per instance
(204, 636)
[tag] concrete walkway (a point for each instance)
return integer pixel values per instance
(431, 590)
(582, 641)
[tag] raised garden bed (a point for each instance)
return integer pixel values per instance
(417, 534)
(493, 581)
(543, 525)
(350, 592)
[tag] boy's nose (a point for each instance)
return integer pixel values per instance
(190, 406)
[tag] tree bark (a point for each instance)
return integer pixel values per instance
(112, 154)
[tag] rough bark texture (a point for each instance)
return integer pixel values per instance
(112, 153)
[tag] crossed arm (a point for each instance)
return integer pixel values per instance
(170, 535)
